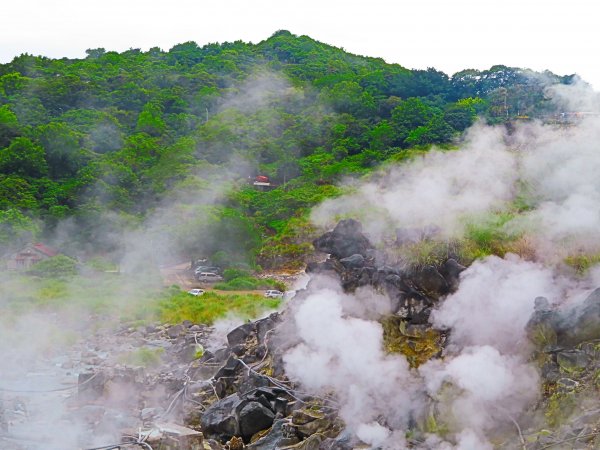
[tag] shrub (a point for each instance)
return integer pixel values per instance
(238, 284)
(250, 284)
(59, 266)
(212, 306)
(230, 274)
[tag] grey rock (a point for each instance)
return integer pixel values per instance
(253, 418)
(238, 335)
(345, 240)
(148, 414)
(431, 281)
(280, 435)
(264, 326)
(580, 323)
(355, 261)
(220, 418)
(572, 360)
(451, 271)
(567, 384)
(175, 331)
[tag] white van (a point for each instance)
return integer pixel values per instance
(209, 277)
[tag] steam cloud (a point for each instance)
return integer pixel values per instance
(484, 380)
(346, 353)
(45, 351)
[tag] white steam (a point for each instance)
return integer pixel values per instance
(346, 354)
(439, 189)
(552, 169)
(494, 302)
(545, 178)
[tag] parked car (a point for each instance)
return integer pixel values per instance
(213, 269)
(271, 293)
(209, 277)
(196, 292)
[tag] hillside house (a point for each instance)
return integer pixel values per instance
(28, 256)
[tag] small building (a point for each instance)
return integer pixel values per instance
(263, 183)
(28, 256)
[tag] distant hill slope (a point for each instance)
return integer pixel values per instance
(170, 139)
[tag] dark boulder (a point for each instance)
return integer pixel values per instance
(238, 335)
(279, 436)
(254, 417)
(355, 261)
(175, 331)
(329, 265)
(345, 240)
(91, 385)
(580, 323)
(543, 324)
(451, 271)
(220, 418)
(264, 326)
(431, 281)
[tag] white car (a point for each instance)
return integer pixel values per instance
(274, 294)
(209, 276)
(196, 292)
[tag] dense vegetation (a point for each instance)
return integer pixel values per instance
(167, 141)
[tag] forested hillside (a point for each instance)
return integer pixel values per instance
(92, 147)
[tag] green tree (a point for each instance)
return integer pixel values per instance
(382, 136)
(16, 192)
(436, 131)
(63, 149)
(9, 126)
(150, 120)
(409, 115)
(16, 228)
(349, 97)
(12, 83)
(461, 114)
(23, 157)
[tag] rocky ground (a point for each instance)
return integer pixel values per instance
(171, 387)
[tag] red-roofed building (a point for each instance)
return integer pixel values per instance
(29, 255)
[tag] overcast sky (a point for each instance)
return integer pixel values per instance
(450, 35)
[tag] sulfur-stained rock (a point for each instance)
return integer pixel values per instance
(280, 435)
(572, 360)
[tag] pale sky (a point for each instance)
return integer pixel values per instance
(450, 35)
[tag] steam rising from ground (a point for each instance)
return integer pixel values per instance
(549, 170)
(34, 346)
(346, 354)
(498, 290)
(484, 380)
(452, 185)
(546, 178)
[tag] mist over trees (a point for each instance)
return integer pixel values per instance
(106, 139)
